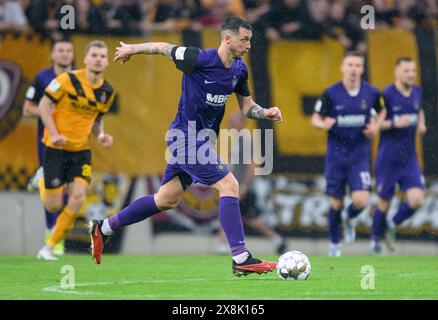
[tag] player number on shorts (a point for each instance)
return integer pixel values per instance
(366, 179)
(86, 170)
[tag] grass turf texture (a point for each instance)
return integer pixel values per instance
(210, 277)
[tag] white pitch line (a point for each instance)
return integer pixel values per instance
(59, 289)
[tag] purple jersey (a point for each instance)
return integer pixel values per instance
(206, 87)
(34, 93)
(352, 114)
(396, 161)
(347, 159)
(398, 144)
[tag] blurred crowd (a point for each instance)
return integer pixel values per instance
(276, 19)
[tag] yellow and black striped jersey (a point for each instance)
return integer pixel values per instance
(77, 104)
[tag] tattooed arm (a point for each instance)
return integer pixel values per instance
(252, 110)
(125, 51)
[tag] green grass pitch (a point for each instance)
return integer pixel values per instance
(210, 277)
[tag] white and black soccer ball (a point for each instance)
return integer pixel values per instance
(293, 265)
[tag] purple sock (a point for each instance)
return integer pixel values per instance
(51, 218)
(231, 222)
(334, 219)
(379, 225)
(353, 211)
(137, 211)
(404, 212)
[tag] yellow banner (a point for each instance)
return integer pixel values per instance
(148, 88)
(301, 68)
(18, 151)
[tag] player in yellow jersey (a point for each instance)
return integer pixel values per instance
(62, 56)
(80, 99)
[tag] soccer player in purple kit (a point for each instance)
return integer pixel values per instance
(62, 56)
(348, 111)
(209, 78)
(397, 161)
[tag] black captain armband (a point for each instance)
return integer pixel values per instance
(185, 58)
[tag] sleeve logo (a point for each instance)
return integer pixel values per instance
(179, 53)
(318, 105)
(30, 93)
(54, 86)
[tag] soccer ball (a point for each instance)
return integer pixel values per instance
(293, 265)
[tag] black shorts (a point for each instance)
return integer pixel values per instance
(62, 167)
(248, 205)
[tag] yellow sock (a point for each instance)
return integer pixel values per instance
(42, 191)
(63, 225)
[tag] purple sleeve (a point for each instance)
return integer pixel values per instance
(203, 58)
(420, 94)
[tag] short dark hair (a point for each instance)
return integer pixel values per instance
(403, 59)
(233, 24)
(95, 44)
(354, 53)
(54, 43)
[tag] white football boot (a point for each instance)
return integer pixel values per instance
(46, 253)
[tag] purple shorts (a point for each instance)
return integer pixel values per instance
(188, 173)
(407, 176)
(340, 173)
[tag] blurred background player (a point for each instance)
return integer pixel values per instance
(62, 56)
(346, 110)
(81, 98)
(243, 170)
(210, 77)
(397, 161)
